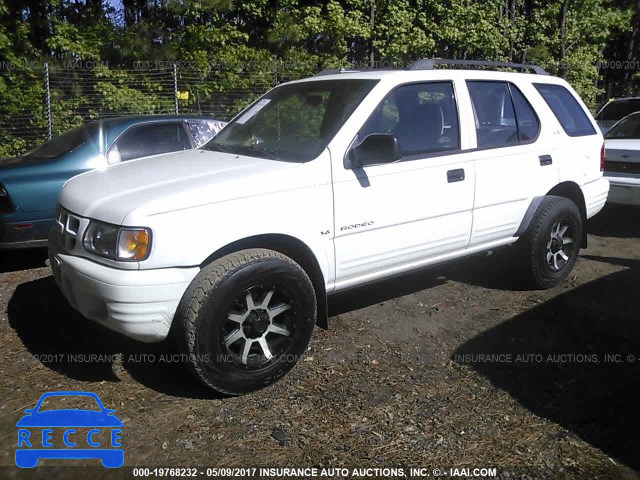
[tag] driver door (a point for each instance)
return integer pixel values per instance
(396, 215)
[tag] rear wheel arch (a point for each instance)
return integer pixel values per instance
(293, 248)
(569, 190)
(573, 192)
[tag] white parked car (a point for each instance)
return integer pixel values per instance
(622, 168)
(324, 184)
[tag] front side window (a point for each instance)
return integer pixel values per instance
(151, 139)
(422, 116)
(294, 122)
(567, 110)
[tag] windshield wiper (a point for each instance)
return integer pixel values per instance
(263, 150)
(216, 147)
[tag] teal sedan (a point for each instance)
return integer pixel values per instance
(30, 184)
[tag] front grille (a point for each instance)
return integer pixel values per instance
(622, 167)
(68, 229)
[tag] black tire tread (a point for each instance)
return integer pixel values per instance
(195, 294)
(546, 208)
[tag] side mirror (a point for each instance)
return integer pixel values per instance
(375, 149)
(113, 156)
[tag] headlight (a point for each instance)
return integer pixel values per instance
(117, 243)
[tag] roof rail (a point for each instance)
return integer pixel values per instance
(334, 71)
(430, 63)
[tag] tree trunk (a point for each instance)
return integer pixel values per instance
(563, 38)
(633, 47)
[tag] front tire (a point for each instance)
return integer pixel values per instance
(553, 242)
(246, 319)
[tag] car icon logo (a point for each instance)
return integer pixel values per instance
(79, 433)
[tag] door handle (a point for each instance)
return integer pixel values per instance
(455, 175)
(545, 160)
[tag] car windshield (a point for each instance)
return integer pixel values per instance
(66, 402)
(64, 143)
(293, 122)
(618, 109)
(628, 128)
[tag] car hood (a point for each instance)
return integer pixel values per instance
(22, 161)
(174, 181)
(69, 418)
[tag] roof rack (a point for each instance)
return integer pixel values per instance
(334, 71)
(430, 63)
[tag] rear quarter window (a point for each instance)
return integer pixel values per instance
(567, 110)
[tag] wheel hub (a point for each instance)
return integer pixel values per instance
(560, 246)
(255, 331)
(256, 323)
(556, 245)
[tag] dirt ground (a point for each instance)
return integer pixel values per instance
(448, 367)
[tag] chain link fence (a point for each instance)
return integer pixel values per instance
(47, 100)
(40, 101)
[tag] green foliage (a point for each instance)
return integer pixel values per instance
(230, 51)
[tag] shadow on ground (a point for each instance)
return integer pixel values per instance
(593, 389)
(22, 259)
(616, 221)
(78, 348)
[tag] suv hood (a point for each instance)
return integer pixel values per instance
(174, 181)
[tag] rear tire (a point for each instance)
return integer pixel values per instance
(246, 319)
(552, 242)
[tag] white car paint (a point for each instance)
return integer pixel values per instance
(625, 186)
(408, 216)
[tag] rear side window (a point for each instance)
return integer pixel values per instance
(567, 110)
(503, 115)
(527, 120)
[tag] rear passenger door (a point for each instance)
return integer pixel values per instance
(514, 159)
(579, 143)
(393, 215)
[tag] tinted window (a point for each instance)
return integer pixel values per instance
(65, 143)
(294, 122)
(495, 115)
(618, 109)
(423, 117)
(567, 110)
(628, 128)
(152, 139)
(526, 118)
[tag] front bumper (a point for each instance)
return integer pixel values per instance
(137, 303)
(624, 190)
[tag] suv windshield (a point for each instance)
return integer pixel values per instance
(628, 128)
(64, 143)
(293, 122)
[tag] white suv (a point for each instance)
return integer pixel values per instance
(324, 184)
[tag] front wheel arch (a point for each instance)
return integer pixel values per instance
(293, 248)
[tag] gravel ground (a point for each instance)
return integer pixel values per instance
(448, 367)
